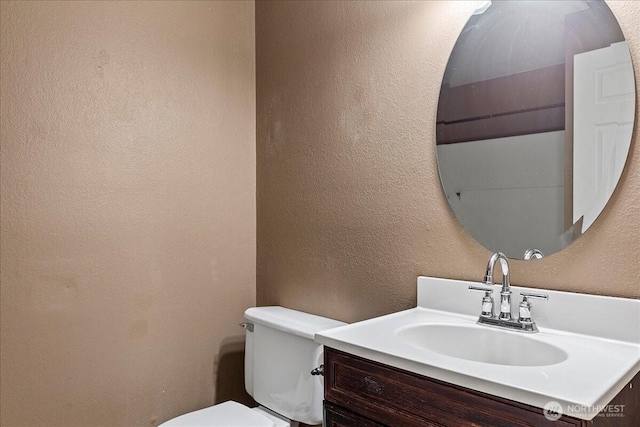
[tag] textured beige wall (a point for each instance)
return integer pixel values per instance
(128, 208)
(350, 208)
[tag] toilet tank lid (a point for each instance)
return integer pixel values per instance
(290, 321)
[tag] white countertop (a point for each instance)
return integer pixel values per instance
(601, 336)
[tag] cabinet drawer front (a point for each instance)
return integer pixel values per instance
(399, 398)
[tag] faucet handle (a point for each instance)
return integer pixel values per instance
(525, 306)
(481, 289)
(487, 300)
(526, 295)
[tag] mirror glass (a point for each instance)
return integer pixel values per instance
(534, 123)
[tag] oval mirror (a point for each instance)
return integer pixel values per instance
(534, 123)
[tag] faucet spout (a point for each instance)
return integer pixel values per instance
(505, 293)
(504, 265)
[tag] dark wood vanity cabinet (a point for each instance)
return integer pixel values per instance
(362, 393)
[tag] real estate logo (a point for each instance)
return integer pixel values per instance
(552, 411)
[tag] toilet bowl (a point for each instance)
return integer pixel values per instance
(279, 356)
(228, 414)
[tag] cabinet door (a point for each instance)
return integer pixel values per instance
(336, 416)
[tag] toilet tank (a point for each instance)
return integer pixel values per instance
(279, 356)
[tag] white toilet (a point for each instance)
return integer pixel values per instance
(279, 356)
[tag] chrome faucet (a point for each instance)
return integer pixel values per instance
(505, 293)
(505, 319)
(530, 254)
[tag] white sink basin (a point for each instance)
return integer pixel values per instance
(481, 344)
(587, 350)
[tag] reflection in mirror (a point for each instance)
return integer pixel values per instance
(534, 122)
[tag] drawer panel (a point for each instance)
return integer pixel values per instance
(396, 397)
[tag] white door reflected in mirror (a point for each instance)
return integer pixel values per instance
(604, 96)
